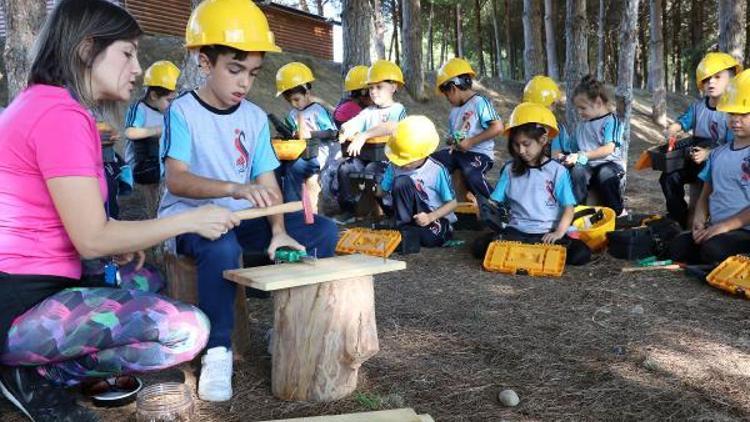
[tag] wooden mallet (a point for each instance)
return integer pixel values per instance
(288, 207)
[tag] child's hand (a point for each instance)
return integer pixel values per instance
(464, 145)
(257, 195)
(571, 159)
(355, 147)
(126, 258)
(699, 223)
(698, 154)
(709, 232)
(423, 219)
(280, 240)
(552, 237)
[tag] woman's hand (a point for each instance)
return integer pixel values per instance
(212, 222)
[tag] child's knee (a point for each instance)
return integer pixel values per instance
(713, 251)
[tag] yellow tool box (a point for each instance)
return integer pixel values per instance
(532, 259)
(593, 230)
(732, 275)
(371, 242)
(288, 149)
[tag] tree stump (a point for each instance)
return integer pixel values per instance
(324, 322)
(322, 335)
(182, 285)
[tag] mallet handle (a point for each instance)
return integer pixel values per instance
(251, 213)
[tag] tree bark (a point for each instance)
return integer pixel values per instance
(676, 44)
(480, 51)
(356, 16)
(396, 30)
(412, 39)
(378, 30)
(533, 63)
(445, 41)
(459, 33)
(600, 42)
(732, 31)
(642, 59)
(656, 64)
(303, 6)
(319, 6)
(322, 335)
(24, 19)
(576, 54)
(190, 75)
(551, 40)
(431, 38)
(496, 33)
(625, 67)
(510, 50)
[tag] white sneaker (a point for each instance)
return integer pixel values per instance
(215, 382)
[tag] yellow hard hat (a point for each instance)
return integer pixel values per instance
(162, 73)
(239, 24)
(415, 138)
(454, 67)
(292, 75)
(356, 78)
(532, 113)
(714, 63)
(384, 70)
(736, 99)
(541, 90)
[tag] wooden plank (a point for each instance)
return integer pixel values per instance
(284, 276)
(394, 415)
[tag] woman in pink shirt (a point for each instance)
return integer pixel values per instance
(54, 333)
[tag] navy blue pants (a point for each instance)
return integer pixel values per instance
(604, 178)
(346, 196)
(215, 294)
(577, 251)
(292, 174)
(473, 166)
(407, 202)
(673, 186)
(713, 251)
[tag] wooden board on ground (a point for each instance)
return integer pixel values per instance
(284, 276)
(395, 415)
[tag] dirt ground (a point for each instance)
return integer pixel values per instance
(595, 344)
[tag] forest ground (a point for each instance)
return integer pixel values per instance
(595, 344)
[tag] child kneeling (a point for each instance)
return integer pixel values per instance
(536, 189)
(420, 187)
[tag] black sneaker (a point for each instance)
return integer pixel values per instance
(40, 400)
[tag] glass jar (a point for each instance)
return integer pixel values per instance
(166, 402)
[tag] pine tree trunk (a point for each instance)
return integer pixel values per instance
(190, 75)
(551, 40)
(696, 37)
(356, 22)
(677, 56)
(303, 6)
(642, 47)
(396, 29)
(576, 54)
(496, 33)
(656, 64)
(459, 33)
(533, 62)
(625, 67)
(378, 30)
(480, 52)
(510, 50)
(430, 37)
(732, 29)
(412, 39)
(444, 42)
(600, 42)
(319, 6)
(24, 19)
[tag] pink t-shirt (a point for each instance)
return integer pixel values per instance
(44, 133)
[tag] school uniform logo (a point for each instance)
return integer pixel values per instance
(419, 186)
(466, 119)
(746, 169)
(241, 163)
(713, 129)
(549, 188)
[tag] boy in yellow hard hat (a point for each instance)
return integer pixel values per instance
(473, 125)
(709, 127)
(143, 127)
(217, 149)
(721, 225)
(420, 187)
(294, 82)
(383, 80)
(357, 95)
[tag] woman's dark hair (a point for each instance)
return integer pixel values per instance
(593, 89)
(59, 58)
(462, 82)
(158, 91)
(300, 89)
(530, 130)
